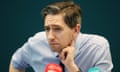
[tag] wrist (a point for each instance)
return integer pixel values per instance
(73, 68)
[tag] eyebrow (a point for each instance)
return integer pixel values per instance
(53, 26)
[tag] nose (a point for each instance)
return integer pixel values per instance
(50, 35)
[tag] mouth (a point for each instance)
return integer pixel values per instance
(53, 43)
(55, 47)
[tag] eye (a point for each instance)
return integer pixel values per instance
(57, 29)
(47, 29)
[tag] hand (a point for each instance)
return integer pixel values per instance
(67, 57)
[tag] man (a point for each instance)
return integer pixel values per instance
(62, 42)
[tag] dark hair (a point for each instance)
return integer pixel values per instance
(72, 12)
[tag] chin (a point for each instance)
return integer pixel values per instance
(56, 49)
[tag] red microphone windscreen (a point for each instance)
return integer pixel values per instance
(52, 67)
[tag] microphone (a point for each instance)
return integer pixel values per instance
(53, 67)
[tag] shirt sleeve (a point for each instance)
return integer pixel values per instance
(103, 57)
(21, 57)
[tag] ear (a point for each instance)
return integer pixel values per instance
(76, 30)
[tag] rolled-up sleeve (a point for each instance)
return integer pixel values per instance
(21, 57)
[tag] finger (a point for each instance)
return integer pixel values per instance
(72, 43)
(63, 54)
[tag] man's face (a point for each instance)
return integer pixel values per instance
(59, 35)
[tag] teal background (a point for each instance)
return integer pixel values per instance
(20, 19)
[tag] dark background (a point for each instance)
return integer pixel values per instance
(20, 19)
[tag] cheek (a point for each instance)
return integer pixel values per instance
(65, 39)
